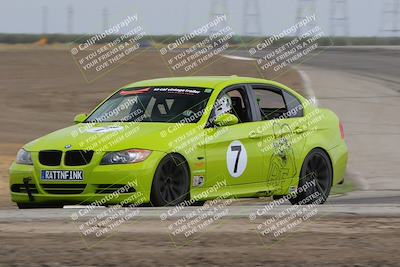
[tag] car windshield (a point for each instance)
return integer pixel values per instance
(153, 104)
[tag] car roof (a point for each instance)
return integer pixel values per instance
(200, 81)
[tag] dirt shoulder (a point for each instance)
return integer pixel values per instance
(329, 242)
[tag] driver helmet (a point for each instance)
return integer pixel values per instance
(223, 105)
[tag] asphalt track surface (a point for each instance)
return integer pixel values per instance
(240, 211)
(363, 87)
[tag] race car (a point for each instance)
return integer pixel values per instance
(178, 140)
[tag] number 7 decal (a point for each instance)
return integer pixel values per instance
(236, 159)
(239, 149)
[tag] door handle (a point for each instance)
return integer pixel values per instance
(300, 129)
(254, 135)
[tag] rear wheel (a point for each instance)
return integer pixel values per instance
(315, 179)
(171, 182)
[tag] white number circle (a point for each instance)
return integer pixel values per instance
(236, 158)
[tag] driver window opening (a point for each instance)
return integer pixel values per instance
(234, 102)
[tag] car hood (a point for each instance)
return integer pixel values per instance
(112, 137)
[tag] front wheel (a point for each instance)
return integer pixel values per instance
(315, 179)
(171, 181)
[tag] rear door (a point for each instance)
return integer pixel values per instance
(283, 133)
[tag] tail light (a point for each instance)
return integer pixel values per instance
(341, 130)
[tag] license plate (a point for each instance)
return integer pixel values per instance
(62, 175)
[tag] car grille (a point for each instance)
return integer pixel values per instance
(111, 188)
(63, 189)
(78, 157)
(72, 158)
(50, 157)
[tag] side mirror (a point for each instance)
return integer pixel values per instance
(225, 119)
(80, 118)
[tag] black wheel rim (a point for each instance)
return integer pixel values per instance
(317, 169)
(172, 180)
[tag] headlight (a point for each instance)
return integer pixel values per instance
(125, 157)
(24, 157)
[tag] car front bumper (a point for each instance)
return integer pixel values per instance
(102, 184)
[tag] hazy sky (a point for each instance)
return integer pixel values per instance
(174, 16)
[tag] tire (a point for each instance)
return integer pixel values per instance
(171, 182)
(315, 178)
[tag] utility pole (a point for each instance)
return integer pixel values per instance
(390, 24)
(218, 9)
(339, 21)
(70, 17)
(44, 19)
(186, 18)
(105, 15)
(251, 18)
(305, 8)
